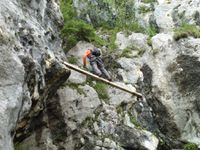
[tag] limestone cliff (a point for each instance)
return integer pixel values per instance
(31, 70)
(43, 107)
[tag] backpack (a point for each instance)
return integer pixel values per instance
(96, 52)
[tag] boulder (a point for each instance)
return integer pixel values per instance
(77, 104)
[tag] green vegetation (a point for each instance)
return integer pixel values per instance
(76, 87)
(144, 9)
(133, 120)
(18, 146)
(148, 1)
(126, 53)
(112, 37)
(101, 89)
(72, 60)
(149, 41)
(191, 146)
(151, 31)
(131, 27)
(186, 30)
(88, 122)
(75, 29)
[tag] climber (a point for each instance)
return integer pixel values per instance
(96, 63)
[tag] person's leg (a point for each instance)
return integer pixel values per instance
(102, 68)
(105, 73)
(95, 68)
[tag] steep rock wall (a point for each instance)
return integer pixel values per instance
(31, 68)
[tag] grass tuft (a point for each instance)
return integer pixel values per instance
(102, 90)
(191, 146)
(186, 30)
(73, 60)
(148, 1)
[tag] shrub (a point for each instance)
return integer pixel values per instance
(74, 29)
(186, 30)
(191, 146)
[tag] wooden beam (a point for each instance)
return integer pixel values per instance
(101, 79)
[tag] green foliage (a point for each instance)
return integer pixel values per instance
(191, 146)
(88, 122)
(101, 89)
(149, 41)
(133, 27)
(126, 53)
(75, 29)
(141, 51)
(67, 10)
(186, 30)
(148, 1)
(18, 146)
(72, 60)
(76, 87)
(133, 120)
(144, 9)
(151, 31)
(127, 28)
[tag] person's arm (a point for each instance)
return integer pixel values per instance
(87, 53)
(84, 59)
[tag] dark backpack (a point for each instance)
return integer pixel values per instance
(96, 52)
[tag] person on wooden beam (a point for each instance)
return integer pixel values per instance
(94, 56)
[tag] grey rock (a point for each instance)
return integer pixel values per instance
(130, 71)
(134, 138)
(96, 128)
(22, 37)
(127, 121)
(77, 106)
(99, 143)
(134, 41)
(113, 145)
(171, 68)
(77, 77)
(118, 96)
(107, 143)
(97, 148)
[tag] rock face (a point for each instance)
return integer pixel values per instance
(100, 12)
(175, 85)
(40, 110)
(29, 70)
